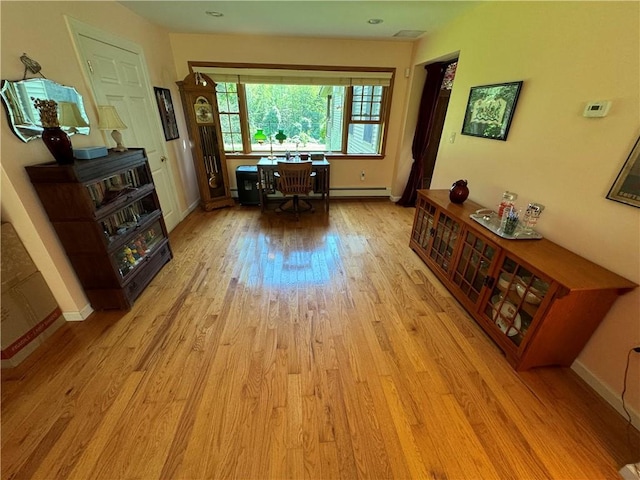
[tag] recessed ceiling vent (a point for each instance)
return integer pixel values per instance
(409, 33)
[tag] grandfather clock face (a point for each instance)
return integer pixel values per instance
(203, 110)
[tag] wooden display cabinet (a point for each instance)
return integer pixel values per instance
(539, 302)
(107, 215)
(200, 104)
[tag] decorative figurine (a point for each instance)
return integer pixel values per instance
(128, 253)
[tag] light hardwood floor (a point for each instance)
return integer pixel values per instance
(324, 348)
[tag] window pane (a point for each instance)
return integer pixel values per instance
(367, 101)
(232, 142)
(363, 138)
(367, 135)
(227, 94)
(300, 111)
(231, 133)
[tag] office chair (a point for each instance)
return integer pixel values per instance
(294, 178)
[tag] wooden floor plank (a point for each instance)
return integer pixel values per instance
(323, 348)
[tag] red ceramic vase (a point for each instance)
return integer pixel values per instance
(59, 144)
(459, 191)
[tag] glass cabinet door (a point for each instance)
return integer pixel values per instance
(110, 189)
(473, 266)
(445, 235)
(134, 251)
(128, 218)
(423, 223)
(514, 301)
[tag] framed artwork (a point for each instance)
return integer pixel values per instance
(490, 110)
(626, 188)
(167, 115)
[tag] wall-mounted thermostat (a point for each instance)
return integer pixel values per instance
(596, 109)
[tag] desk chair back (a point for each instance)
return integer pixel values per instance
(294, 178)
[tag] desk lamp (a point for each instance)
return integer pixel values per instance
(281, 137)
(260, 137)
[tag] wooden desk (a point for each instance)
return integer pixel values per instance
(267, 183)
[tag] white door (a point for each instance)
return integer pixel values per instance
(117, 76)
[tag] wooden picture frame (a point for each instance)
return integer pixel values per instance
(167, 114)
(626, 187)
(490, 110)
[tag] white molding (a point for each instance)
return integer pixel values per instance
(83, 314)
(606, 392)
(190, 209)
(360, 192)
(394, 198)
(76, 28)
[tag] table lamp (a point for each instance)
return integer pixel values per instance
(110, 120)
(69, 116)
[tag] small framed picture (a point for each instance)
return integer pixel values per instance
(167, 115)
(203, 110)
(490, 110)
(626, 188)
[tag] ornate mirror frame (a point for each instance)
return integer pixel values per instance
(23, 116)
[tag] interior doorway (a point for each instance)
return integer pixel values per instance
(116, 71)
(440, 113)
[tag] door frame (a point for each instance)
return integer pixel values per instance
(76, 29)
(440, 115)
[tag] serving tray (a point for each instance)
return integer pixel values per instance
(490, 220)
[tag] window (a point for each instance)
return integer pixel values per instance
(317, 111)
(299, 111)
(229, 111)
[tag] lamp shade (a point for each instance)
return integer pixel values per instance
(109, 118)
(280, 136)
(70, 115)
(260, 137)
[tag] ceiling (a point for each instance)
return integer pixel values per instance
(333, 18)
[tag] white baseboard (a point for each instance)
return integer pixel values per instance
(83, 314)
(361, 192)
(394, 198)
(190, 209)
(613, 398)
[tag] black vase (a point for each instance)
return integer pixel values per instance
(59, 144)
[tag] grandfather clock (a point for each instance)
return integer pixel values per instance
(200, 105)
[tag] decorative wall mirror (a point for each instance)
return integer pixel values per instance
(24, 117)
